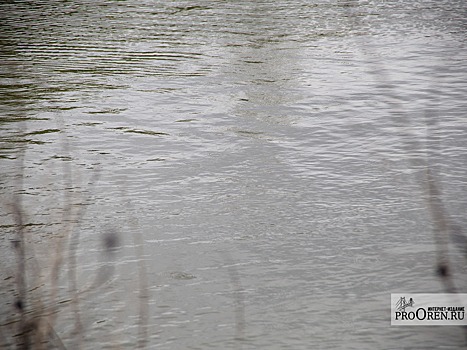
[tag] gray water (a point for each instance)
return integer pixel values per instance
(262, 164)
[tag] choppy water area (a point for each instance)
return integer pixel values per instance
(262, 164)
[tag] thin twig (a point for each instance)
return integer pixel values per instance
(431, 187)
(20, 249)
(143, 293)
(238, 298)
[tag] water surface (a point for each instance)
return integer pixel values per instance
(262, 163)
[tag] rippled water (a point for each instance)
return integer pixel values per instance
(263, 164)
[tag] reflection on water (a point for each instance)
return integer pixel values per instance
(263, 165)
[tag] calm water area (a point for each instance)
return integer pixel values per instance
(231, 174)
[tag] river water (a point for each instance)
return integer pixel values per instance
(255, 168)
